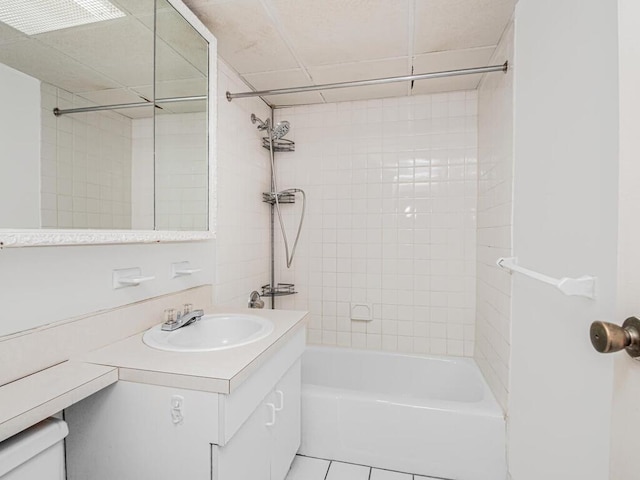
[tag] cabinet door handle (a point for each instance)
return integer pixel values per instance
(280, 394)
(273, 415)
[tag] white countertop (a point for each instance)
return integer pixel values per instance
(31, 399)
(217, 371)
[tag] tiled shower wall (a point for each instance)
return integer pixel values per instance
(390, 222)
(86, 165)
(243, 173)
(172, 184)
(495, 165)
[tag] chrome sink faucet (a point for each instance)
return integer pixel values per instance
(187, 317)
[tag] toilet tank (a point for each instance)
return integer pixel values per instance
(35, 453)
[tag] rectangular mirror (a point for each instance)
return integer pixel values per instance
(128, 146)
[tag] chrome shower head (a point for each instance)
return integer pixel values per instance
(280, 130)
(262, 125)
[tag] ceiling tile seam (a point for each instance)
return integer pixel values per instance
(469, 49)
(411, 32)
(273, 15)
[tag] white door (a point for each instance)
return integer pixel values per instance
(626, 392)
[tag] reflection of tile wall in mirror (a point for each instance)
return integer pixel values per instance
(97, 169)
(181, 171)
(85, 166)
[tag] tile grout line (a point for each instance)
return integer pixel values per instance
(328, 468)
(367, 466)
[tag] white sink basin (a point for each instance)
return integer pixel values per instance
(211, 332)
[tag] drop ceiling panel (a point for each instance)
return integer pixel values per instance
(178, 88)
(247, 39)
(184, 39)
(456, 24)
(135, 7)
(49, 65)
(339, 31)
(451, 60)
(393, 67)
(283, 79)
(171, 66)
(345, 72)
(120, 49)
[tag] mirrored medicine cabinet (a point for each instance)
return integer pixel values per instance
(105, 125)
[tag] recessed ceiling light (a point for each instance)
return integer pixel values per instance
(39, 16)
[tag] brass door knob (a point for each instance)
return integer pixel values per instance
(609, 337)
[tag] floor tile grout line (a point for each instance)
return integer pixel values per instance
(412, 475)
(362, 465)
(328, 468)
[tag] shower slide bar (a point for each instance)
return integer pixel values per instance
(119, 106)
(584, 286)
(376, 81)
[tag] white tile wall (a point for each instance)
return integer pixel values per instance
(86, 165)
(391, 221)
(243, 173)
(181, 161)
(495, 165)
(180, 170)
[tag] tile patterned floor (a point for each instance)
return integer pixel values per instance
(308, 468)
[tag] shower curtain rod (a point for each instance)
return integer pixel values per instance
(376, 81)
(119, 106)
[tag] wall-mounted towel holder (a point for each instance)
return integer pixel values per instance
(129, 277)
(584, 286)
(183, 269)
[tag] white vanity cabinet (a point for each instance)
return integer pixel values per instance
(133, 431)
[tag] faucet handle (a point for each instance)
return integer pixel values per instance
(187, 308)
(170, 315)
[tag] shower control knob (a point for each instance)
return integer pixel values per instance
(609, 337)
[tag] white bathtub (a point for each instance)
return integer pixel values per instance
(425, 415)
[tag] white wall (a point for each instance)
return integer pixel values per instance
(495, 193)
(243, 173)
(565, 224)
(45, 284)
(626, 414)
(391, 187)
(19, 149)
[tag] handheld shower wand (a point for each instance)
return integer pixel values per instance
(276, 133)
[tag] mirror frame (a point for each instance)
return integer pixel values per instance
(53, 237)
